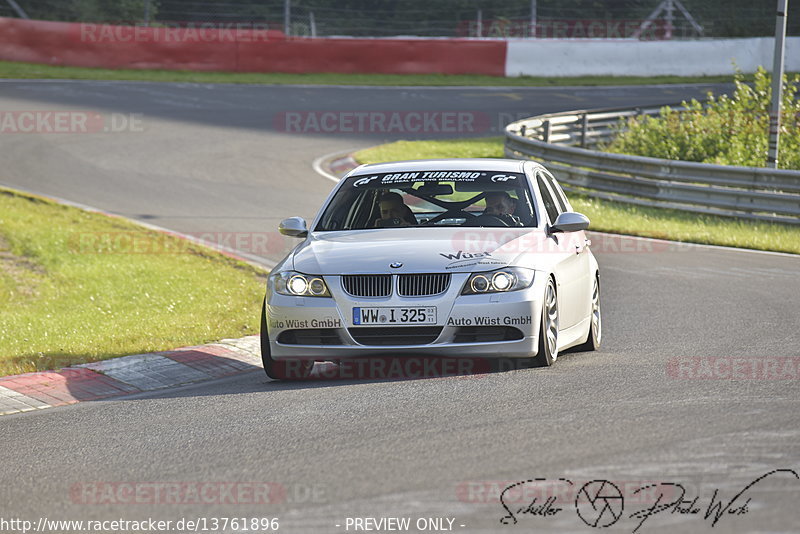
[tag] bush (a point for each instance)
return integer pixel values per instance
(726, 131)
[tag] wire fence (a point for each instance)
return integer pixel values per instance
(544, 19)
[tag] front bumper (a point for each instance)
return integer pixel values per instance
(496, 325)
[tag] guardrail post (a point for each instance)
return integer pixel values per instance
(584, 129)
(547, 129)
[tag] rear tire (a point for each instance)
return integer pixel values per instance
(548, 330)
(280, 369)
(596, 324)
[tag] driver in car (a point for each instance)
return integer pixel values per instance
(394, 212)
(500, 204)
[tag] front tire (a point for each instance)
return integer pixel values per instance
(548, 330)
(280, 369)
(596, 325)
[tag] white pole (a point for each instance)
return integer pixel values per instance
(19, 10)
(480, 23)
(777, 85)
(287, 17)
(533, 18)
(670, 19)
(312, 23)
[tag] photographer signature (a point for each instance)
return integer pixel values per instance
(600, 503)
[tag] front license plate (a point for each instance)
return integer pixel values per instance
(410, 316)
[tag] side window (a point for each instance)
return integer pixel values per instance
(558, 193)
(549, 204)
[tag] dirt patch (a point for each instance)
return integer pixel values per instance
(24, 272)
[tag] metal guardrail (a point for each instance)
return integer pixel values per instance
(563, 140)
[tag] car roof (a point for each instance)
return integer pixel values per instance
(452, 164)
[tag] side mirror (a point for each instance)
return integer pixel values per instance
(293, 227)
(570, 221)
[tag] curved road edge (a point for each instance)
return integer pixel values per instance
(137, 373)
(128, 375)
(251, 259)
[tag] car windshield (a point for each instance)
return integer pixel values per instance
(430, 198)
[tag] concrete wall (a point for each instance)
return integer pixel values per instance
(644, 58)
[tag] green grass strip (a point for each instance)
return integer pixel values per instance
(74, 289)
(14, 70)
(609, 216)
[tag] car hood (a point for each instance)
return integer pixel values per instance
(418, 249)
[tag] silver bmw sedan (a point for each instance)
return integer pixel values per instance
(456, 258)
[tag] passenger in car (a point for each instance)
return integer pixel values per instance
(394, 212)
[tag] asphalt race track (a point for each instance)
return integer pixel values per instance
(217, 159)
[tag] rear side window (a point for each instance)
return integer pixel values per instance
(547, 199)
(558, 193)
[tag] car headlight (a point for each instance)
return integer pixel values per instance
(299, 285)
(499, 281)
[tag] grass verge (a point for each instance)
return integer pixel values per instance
(73, 290)
(15, 70)
(609, 216)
